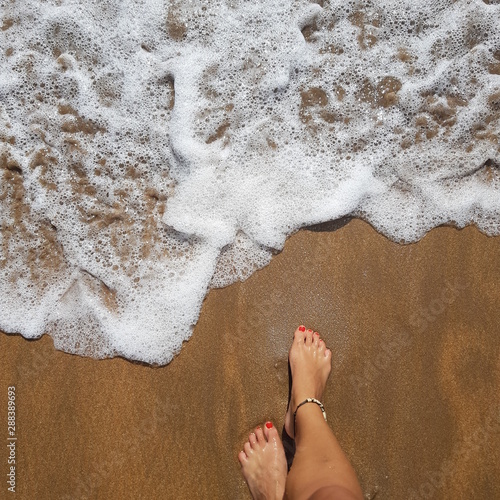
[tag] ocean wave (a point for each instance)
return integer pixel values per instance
(150, 151)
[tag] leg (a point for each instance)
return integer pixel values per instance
(320, 469)
(263, 464)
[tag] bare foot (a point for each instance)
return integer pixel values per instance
(310, 363)
(263, 464)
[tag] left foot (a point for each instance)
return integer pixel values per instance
(263, 464)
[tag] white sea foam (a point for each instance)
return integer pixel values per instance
(152, 150)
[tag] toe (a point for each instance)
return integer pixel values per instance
(300, 334)
(242, 457)
(270, 431)
(309, 335)
(315, 339)
(247, 448)
(253, 439)
(328, 353)
(321, 345)
(260, 435)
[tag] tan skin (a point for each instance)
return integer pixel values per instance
(320, 469)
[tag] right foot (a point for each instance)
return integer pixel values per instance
(263, 464)
(310, 364)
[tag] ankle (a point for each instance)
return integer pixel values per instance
(302, 395)
(308, 417)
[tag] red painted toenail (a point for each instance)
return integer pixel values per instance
(309, 330)
(316, 333)
(302, 328)
(269, 425)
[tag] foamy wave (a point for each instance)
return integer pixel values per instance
(151, 151)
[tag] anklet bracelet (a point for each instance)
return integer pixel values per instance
(311, 400)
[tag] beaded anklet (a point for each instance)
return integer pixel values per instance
(310, 400)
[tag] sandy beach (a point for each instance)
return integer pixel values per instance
(147, 148)
(413, 395)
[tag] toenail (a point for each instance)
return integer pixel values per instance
(302, 328)
(269, 425)
(316, 333)
(309, 330)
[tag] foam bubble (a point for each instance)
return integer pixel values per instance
(149, 152)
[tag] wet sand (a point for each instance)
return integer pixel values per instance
(413, 397)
